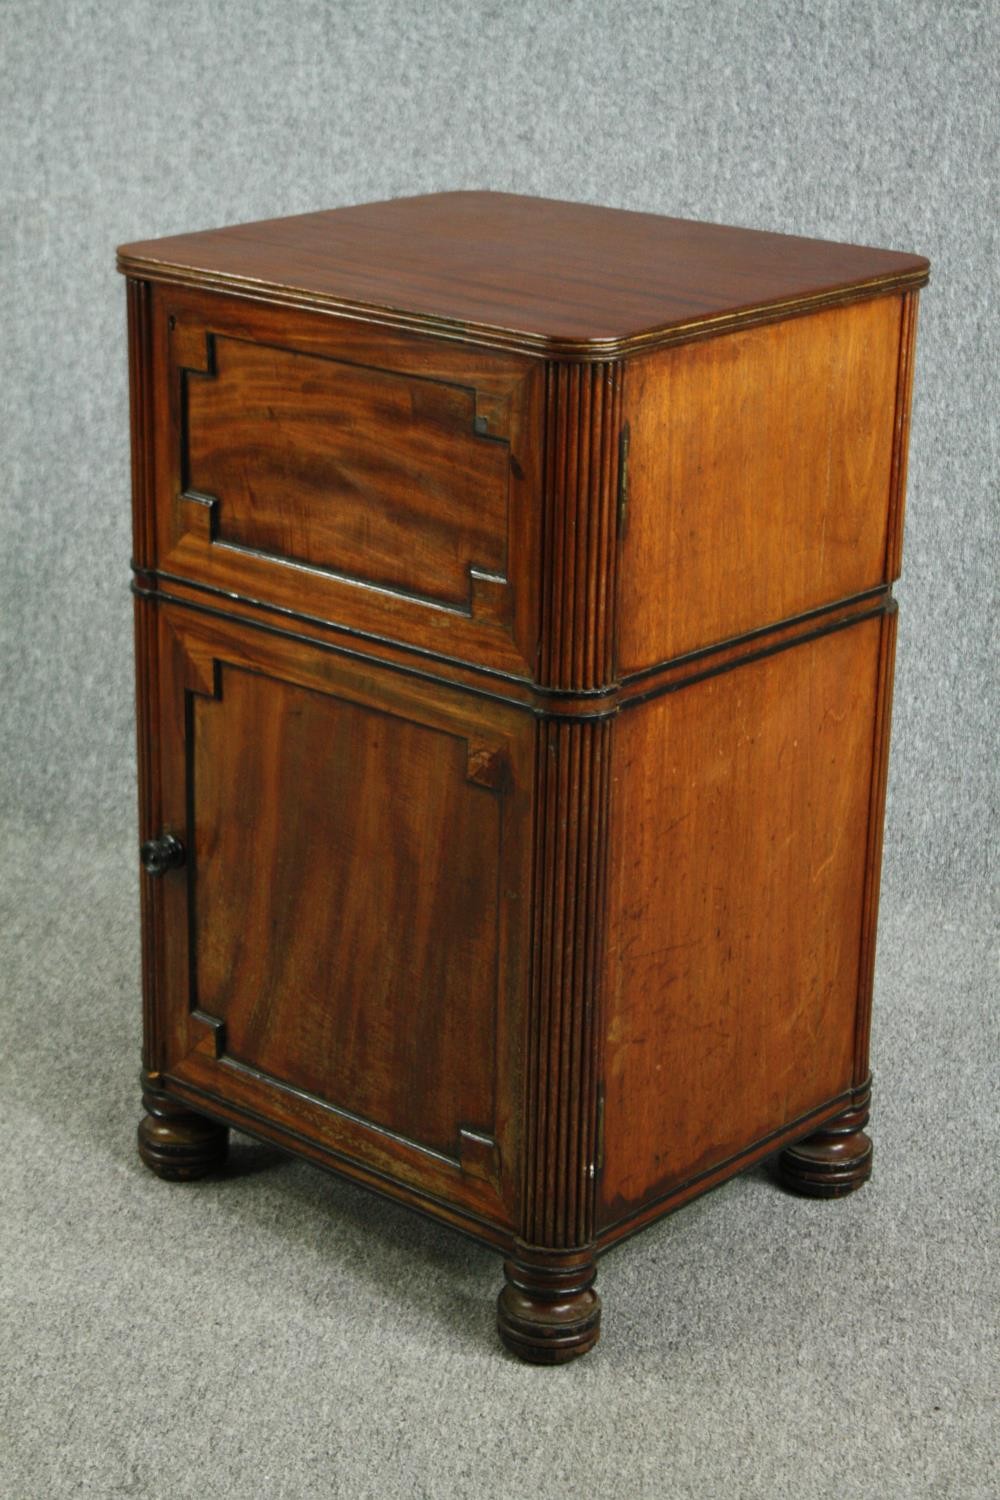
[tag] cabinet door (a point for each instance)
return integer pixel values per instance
(342, 953)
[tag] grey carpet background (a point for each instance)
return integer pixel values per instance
(280, 1334)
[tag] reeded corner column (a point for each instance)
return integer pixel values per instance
(548, 1311)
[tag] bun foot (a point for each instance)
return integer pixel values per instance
(548, 1312)
(836, 1160)
(177, 1144)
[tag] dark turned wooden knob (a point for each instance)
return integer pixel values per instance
(162, 854)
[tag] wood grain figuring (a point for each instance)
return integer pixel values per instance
(759, 478)
(364, 472)
(350, 480)
(579, 547)
(529, 696)
(682, 671)
(737, 872)
(514, 640)
(240, 1107)
(570, 839)
(751, 1154)
(374, 825)
(348, 935)
(561, 279)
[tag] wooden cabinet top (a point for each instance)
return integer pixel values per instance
(564, 280)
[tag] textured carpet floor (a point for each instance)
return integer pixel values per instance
(276, 1333)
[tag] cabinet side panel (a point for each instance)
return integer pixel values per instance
(763, 467)
(738, 854)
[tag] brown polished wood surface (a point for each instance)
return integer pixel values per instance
(348, 469)
(313, 963)
(514, 645)
(734, 910)
(760, 478)
(536, 273)
(388, 484)
(346, 802)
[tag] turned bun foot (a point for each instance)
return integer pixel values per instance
(548, 1311)
(176, 1143)
(834, 1161)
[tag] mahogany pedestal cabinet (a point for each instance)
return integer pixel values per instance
(514, 644)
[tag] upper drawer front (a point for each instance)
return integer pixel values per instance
(373, 479)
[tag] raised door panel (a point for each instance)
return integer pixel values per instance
(765, 476)
(740, 861)
(365, 472)
(387, 484)
(343, 950)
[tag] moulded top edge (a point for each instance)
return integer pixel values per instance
(554, 279)
(582, 350)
